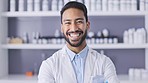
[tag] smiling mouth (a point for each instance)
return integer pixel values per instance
(75, 38)
(74, 34)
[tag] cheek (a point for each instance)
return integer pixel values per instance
(64, 30)
(84, 28)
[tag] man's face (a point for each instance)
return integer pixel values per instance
(74, 26)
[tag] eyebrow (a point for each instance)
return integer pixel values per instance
(75, 19)
(79, 19)
(67, 20)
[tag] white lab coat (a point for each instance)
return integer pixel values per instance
(58, 68)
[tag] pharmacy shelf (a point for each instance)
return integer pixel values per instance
(32, 46)
(118, 13)
(127, 79)
(18, 79)
(57, 13)
(118, 46)
(33, 79)
(58, 46)
(31, 14)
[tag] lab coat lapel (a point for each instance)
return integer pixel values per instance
(68, 69)
(89, 66)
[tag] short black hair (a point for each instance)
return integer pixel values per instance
(77, 5)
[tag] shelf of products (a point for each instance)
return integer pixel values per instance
(58, 46)
(18, 79)
(57, 13)
(31, 14)
(33, 79)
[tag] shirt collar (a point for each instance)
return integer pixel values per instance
(82, 53)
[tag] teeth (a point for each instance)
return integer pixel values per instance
(74, 35)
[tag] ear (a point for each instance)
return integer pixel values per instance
(88, 26)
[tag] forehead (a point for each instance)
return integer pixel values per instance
(73, 13)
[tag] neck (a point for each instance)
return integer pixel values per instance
(77, 49)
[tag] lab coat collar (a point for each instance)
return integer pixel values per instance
(81, 54)
(89, 65)
(70, 53)
(68, 66)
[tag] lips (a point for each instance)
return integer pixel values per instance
(75, 35)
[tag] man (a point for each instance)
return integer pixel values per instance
(76, 62)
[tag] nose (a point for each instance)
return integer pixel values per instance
(74, 27)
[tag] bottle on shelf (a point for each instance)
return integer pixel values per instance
(133, 5)
(57, 33)
(146, 5)
(54, 5)
(36, 5)
(91, 39)
(104, 5)
(131, 73)
(25, 37)
(45, 5)
(29, 5)
(135, 36)
(142, 5)
(110, 5)
(110, 40)
(12, 5)
(35, 68)
(141, 35)
(44, 41)
(87, 3)
(93, 5)
(122, 5)
(21, 5)
(66, 1)
(99, 34)
(116, 5)
(105, 32)
(81, 1)
(73, 0)
(35, 37)
(60, 4)
(128, 5)
(144, 35)
(130, 32)
(125, 37)
(137, 74)
(98, 5)
(115, 40)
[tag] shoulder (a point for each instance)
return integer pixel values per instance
(51, 63)
(96, 54)
(57, 55)
(101, 58)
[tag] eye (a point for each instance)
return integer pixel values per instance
(67, 23)
(79, 22)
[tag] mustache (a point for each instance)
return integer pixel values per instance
(77, 31)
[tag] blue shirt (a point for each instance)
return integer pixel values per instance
(78, 62)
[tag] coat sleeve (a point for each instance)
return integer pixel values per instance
(46, 72)
(110, 71)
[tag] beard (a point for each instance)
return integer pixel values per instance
(79, 43)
